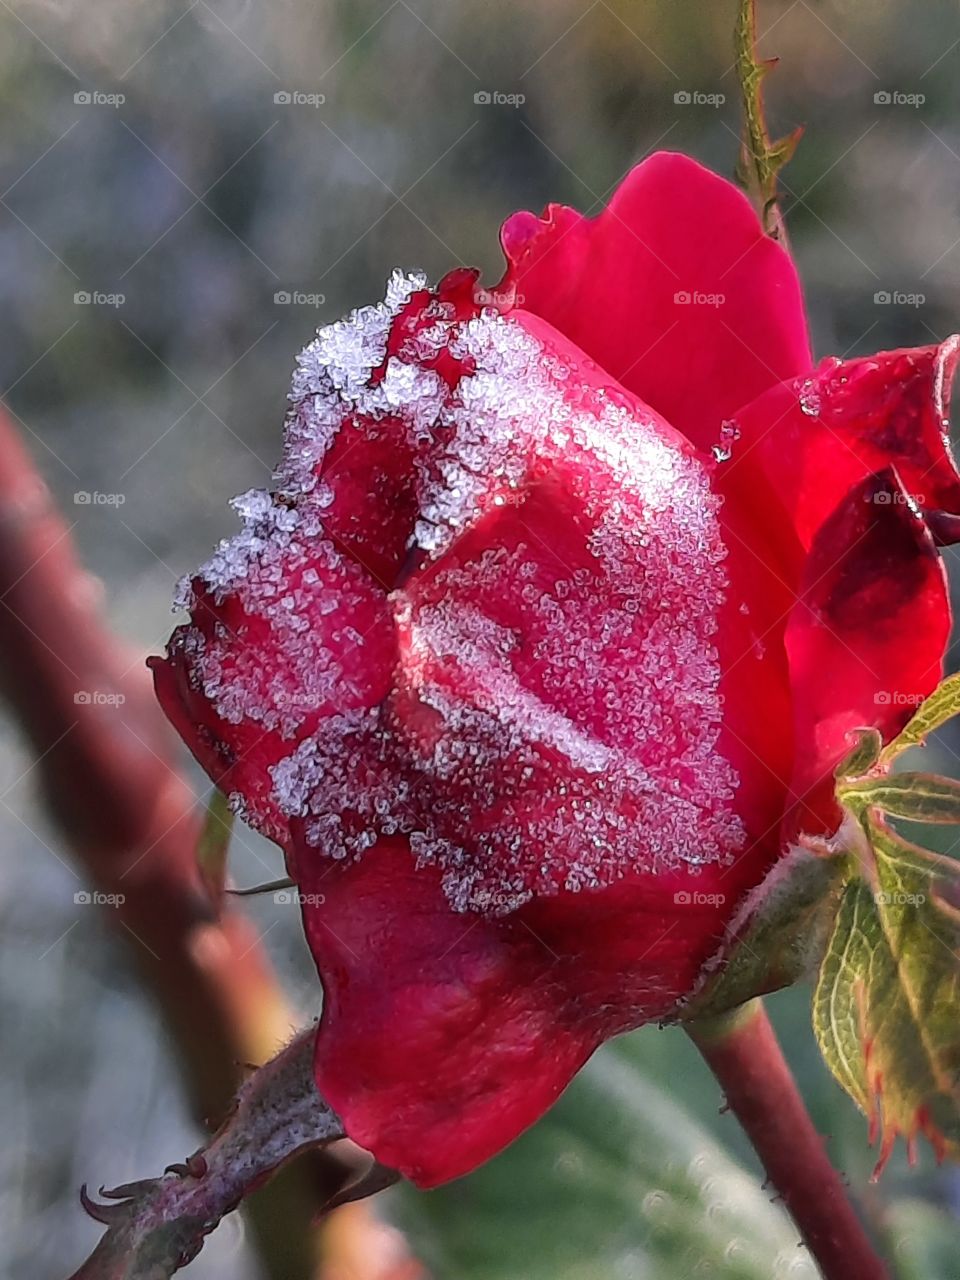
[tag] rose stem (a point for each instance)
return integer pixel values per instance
(742, 1051)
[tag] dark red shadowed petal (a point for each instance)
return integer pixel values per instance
(813, 438)
(866, 643)
(673, 288)
(442, 1036)
(445, 1035)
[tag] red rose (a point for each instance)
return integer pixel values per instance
(544, 646)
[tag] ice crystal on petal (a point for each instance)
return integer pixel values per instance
(549, 714)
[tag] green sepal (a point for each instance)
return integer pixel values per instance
(777, 937)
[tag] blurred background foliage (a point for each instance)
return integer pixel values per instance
(200, 198)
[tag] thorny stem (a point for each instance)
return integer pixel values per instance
(155, 1227)
(742, 1051)
(761, 157)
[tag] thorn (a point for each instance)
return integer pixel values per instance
(108, 1214)
(193, 1166)
(376, 1177)
(269, 886)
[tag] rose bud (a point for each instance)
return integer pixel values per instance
(541, 652)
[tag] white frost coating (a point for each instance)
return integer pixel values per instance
(598, 750)
(550, 726)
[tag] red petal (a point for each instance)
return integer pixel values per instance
(441, 1038)
(355, 437)
(867, 640)
(611, 283)
(287, 648)
(812, 439)
(445, 1035)
(291, 634)
(563, 663)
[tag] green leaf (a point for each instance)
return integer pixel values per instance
(778, 936)
(616, 1181)
(921, 797)
(863, 757)
(942, 705)
(886, 1005)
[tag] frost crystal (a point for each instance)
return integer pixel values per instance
(534, 702)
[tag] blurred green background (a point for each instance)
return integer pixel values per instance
(147, 156)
